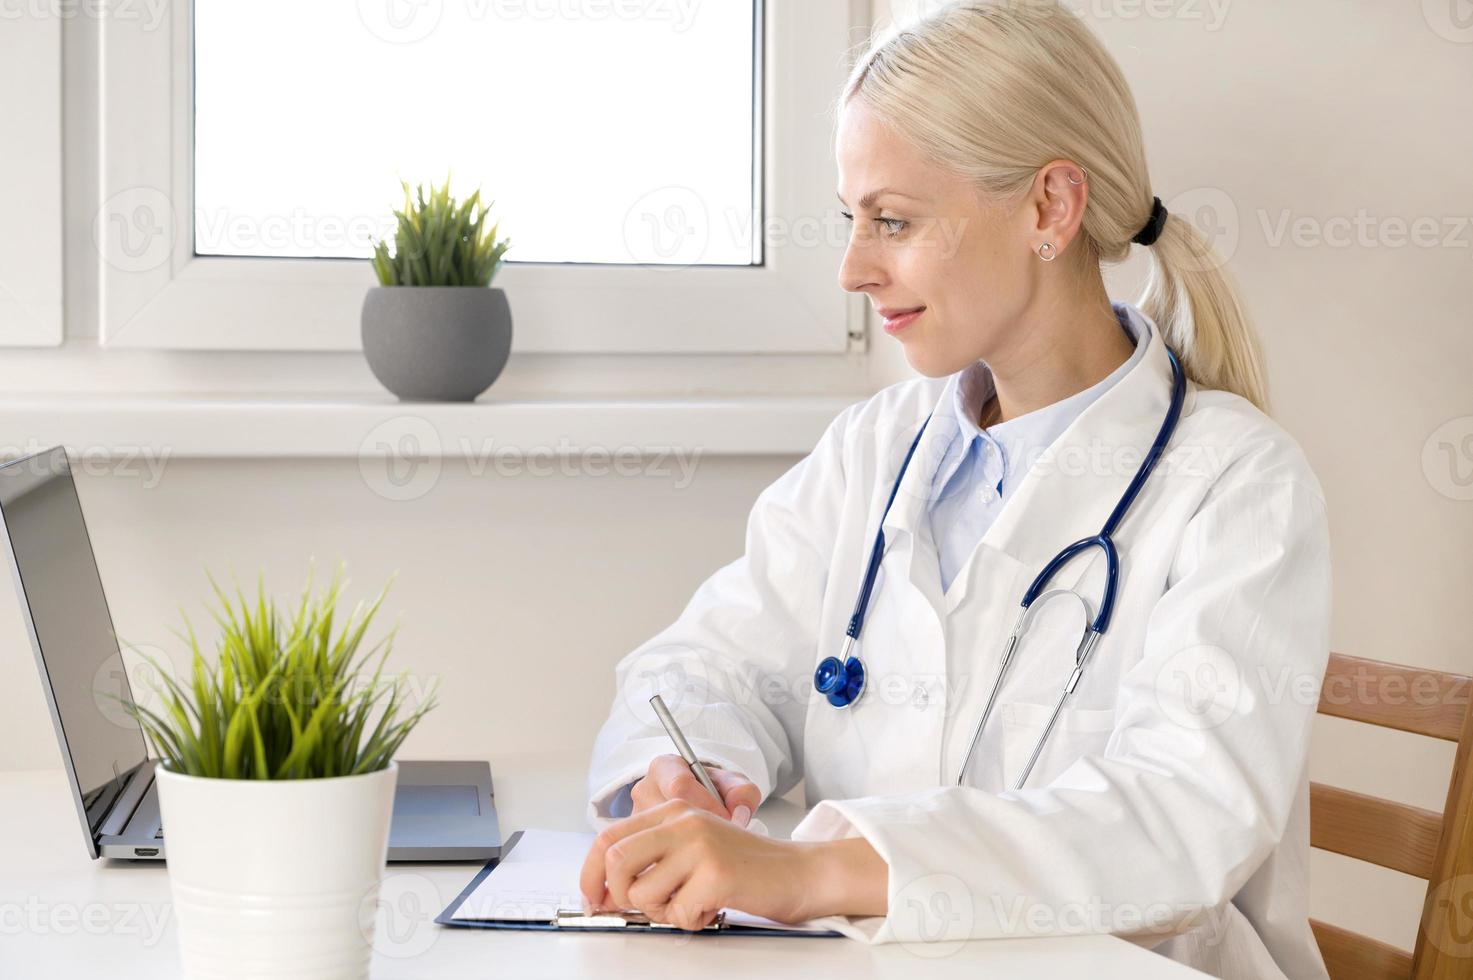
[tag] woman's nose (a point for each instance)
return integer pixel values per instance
(861, 266)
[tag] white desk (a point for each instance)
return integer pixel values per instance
(63, 916)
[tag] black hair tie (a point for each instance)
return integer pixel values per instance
(1152, 231)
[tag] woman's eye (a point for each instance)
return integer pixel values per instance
(893, 226)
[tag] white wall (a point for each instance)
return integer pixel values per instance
(522, 591)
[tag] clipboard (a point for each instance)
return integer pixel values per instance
(547, 913)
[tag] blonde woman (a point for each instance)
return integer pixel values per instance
(1138, 772)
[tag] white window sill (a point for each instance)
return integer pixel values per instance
(244, 426)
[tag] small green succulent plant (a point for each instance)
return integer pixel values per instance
(440, 242)
(286, 697)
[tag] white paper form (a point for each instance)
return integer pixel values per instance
(540, 876)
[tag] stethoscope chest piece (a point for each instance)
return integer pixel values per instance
(840, 681)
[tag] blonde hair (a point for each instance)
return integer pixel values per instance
(994, 89)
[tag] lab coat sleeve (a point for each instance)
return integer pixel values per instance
(1150, 837)
(735, 667)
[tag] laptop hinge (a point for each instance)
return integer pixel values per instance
(125, 803)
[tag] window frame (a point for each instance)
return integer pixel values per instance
(31, 282)
(166, 297)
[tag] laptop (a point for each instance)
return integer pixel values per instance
(443, 811)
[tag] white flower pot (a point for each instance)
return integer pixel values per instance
(276, 878)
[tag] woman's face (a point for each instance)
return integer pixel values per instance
(927, 241)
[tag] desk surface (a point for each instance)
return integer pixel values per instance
(64, 915)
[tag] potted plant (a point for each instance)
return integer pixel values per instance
(276, 779)
(433, 329)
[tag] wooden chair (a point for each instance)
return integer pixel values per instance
(1437, 847)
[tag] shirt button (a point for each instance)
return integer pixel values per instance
(920, 697)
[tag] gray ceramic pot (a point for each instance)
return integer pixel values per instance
(436, 343)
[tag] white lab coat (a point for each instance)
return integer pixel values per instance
(1171, 803)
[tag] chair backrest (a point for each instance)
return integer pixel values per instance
(1437, 847)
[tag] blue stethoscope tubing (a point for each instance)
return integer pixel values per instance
(841, 679)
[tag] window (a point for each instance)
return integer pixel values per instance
(664, 168)
(304, 161)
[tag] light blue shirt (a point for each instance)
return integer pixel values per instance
(978, 470)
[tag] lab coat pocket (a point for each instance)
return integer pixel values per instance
(1078, 732)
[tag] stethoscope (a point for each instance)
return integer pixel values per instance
(841, 678)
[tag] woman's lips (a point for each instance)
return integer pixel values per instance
(899, 321)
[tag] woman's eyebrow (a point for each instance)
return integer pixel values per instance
(868, 201)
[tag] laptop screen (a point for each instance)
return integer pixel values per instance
(67, 609)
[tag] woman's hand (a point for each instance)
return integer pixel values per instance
(670, 778)
(681, 865)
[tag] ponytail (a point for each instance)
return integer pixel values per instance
(1196, 305)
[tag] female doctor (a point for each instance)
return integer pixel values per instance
(1115, 745)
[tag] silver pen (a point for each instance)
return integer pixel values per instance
(683, 747)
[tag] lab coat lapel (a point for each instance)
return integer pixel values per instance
(902, 525)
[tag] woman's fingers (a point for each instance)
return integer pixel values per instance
(675, 780)
(651, 891)
(591, 878)
(630, 857)
(692, 907)
(736, 789)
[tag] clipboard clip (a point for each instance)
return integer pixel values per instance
(566, 918)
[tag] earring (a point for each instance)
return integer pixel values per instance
(1080, 181)
(1047, 252)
